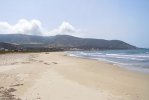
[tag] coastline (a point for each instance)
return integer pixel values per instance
(56, 76)
(137, 61)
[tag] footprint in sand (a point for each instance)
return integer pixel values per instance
(47, 53)
(38, 97)
(25, 62)
(40, 61)
(16, 85)
(46, 63)
(54, 62)
(14, 63)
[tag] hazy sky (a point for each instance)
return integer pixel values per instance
(126, 20)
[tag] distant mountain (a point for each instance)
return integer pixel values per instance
(87, 43)
(9, 46)
(64, 41)
(23, 39)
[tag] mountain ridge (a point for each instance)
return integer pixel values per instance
(63, 41)
(8, 46)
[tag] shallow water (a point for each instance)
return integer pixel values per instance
(132, 59)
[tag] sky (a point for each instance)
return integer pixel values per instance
(126, 20)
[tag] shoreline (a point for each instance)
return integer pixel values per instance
(121, 65)
(56, 76)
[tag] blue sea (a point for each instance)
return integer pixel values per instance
(137, 60)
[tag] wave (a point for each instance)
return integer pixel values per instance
(137, 60)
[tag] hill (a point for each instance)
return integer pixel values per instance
(64, 41)
(8, 46)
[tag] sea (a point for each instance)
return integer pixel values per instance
(137, 60)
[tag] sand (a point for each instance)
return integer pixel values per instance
(55, 76)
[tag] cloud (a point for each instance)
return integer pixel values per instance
(23, 26)
(34, 27)
(65, 29)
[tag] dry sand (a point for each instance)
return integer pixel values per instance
(55, 76)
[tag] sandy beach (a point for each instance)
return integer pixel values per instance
(56, 76)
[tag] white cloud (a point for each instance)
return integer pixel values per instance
(22, 27)
(65, 29)
(34, 27)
